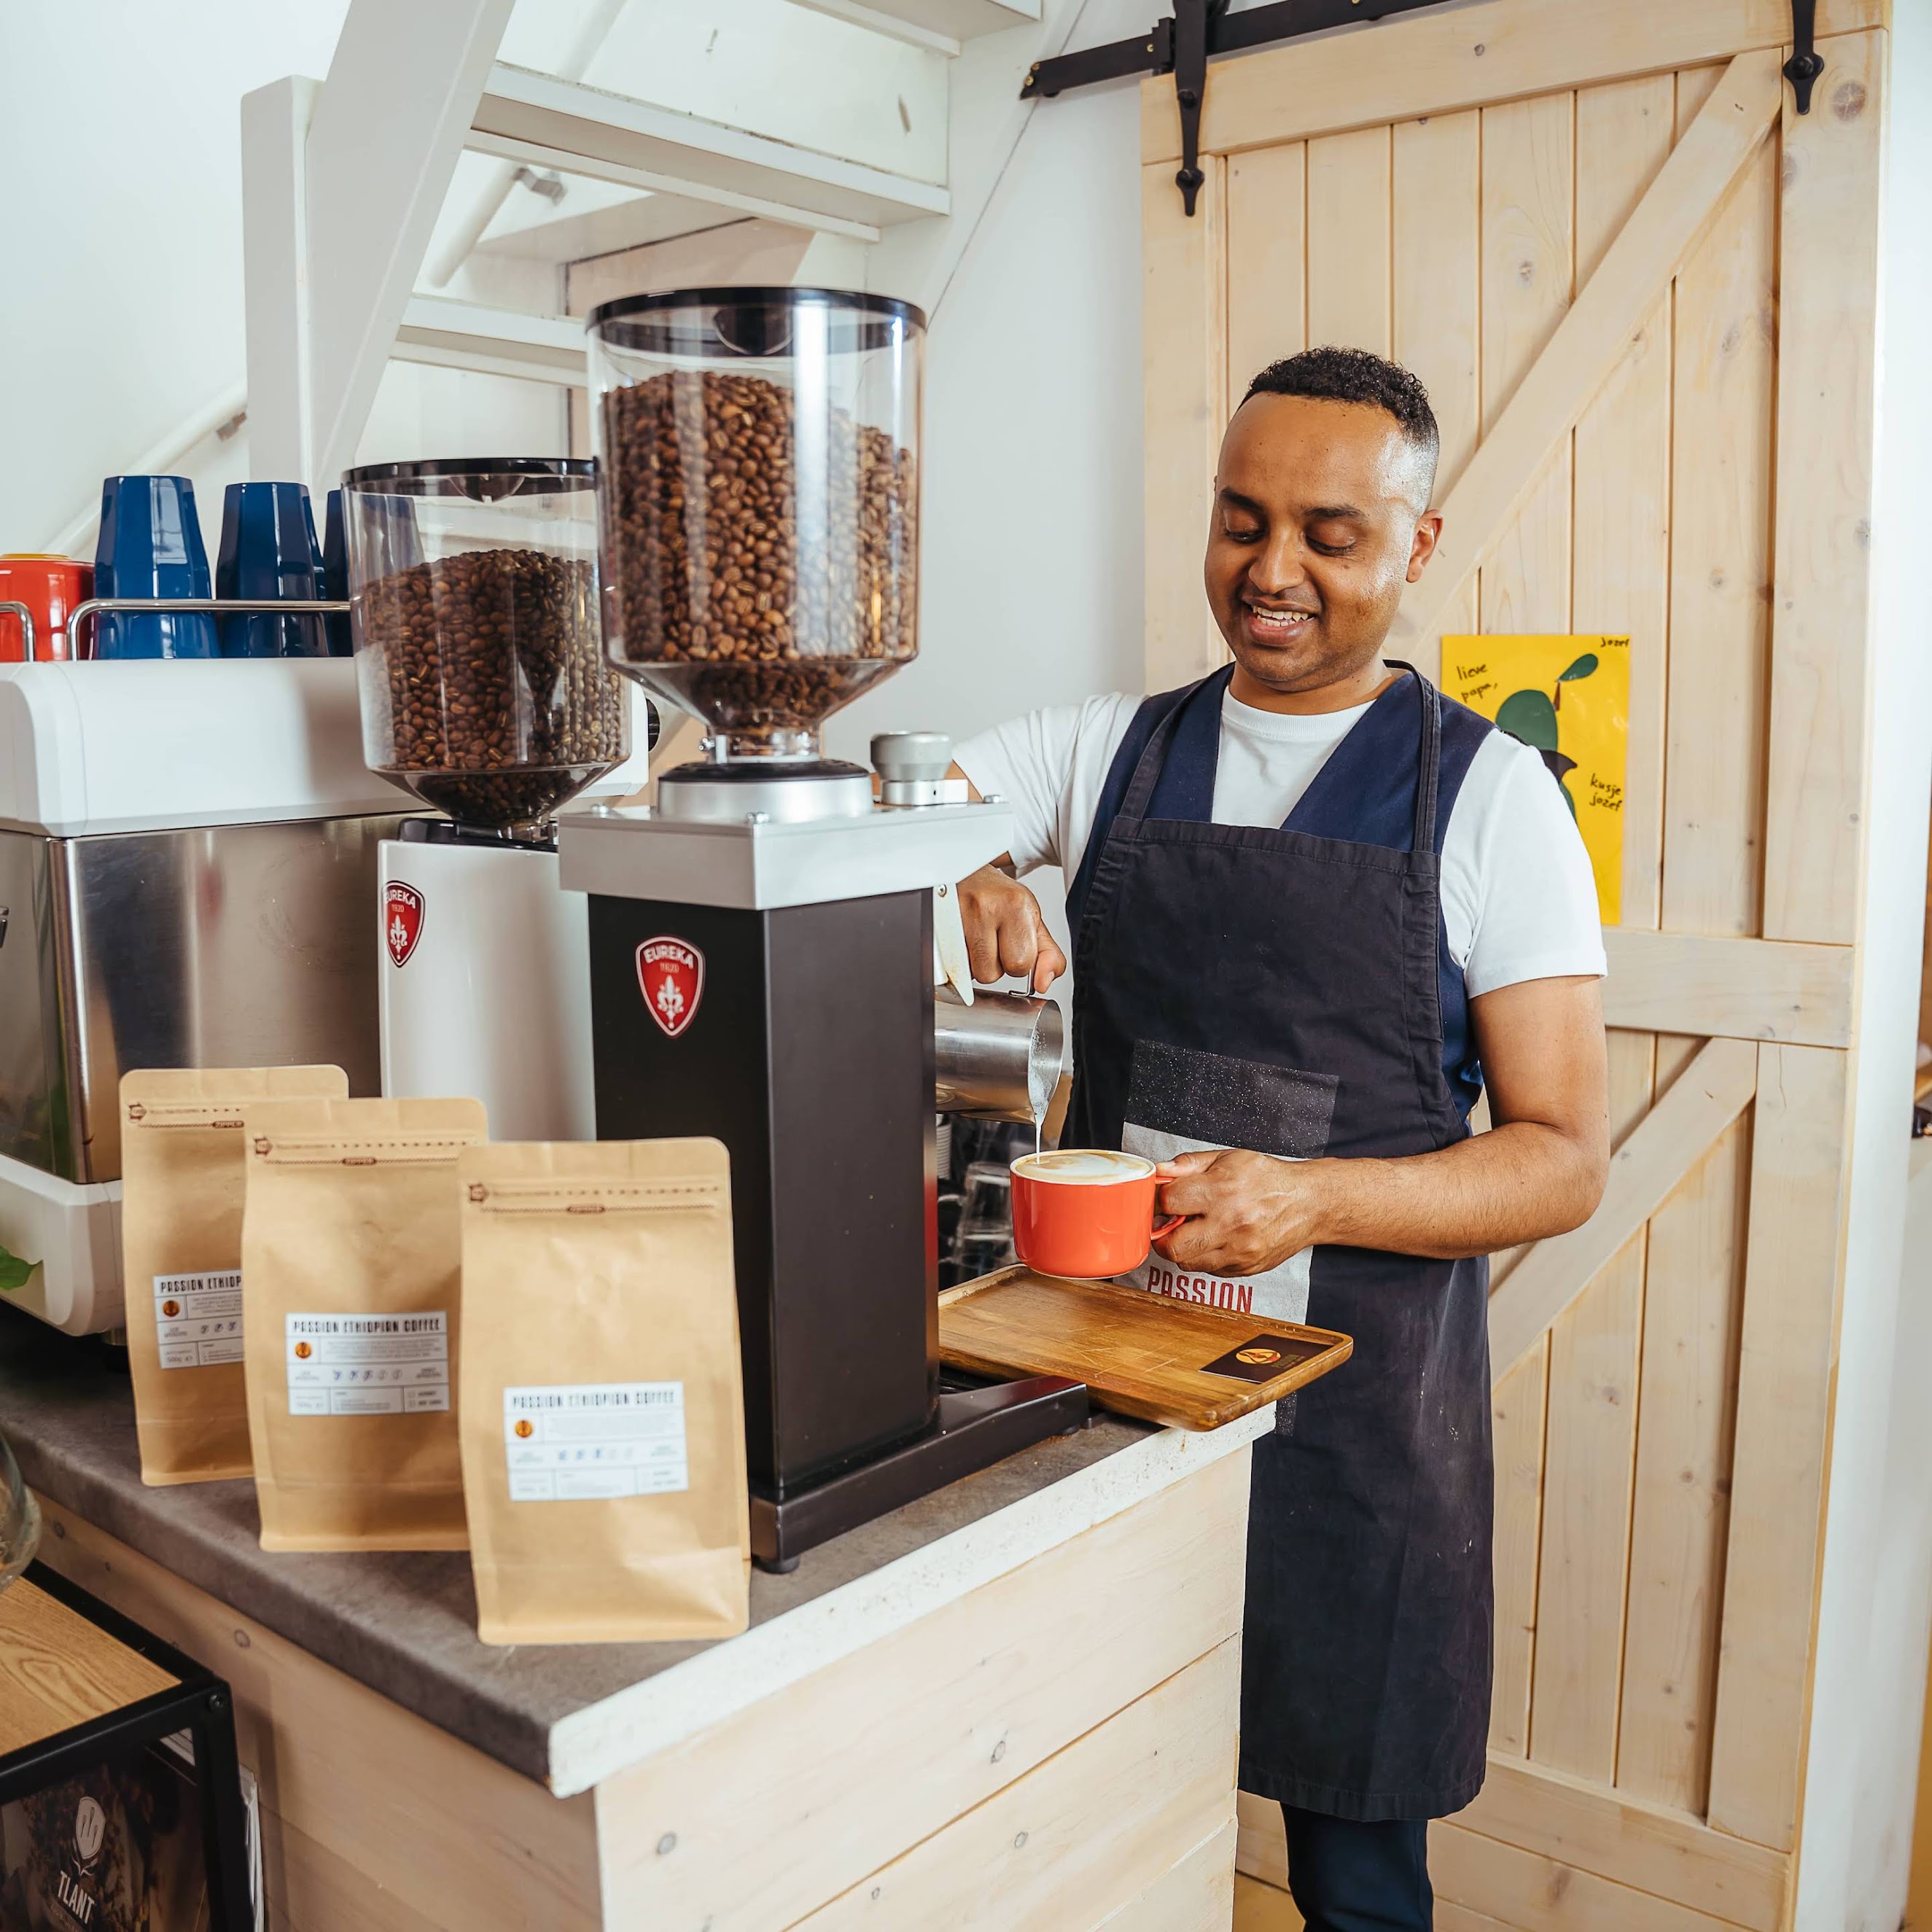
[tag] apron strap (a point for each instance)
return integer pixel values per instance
(1429, 758)
(1098, 889)
(1147, 773)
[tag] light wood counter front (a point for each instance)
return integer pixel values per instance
(1054, 1749)
(1023, 1718)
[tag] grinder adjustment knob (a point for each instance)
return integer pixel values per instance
(912, 767)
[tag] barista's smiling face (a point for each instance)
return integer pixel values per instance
(1319, 520)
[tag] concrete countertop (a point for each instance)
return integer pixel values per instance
(568, 1715)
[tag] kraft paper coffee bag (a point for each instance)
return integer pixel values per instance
(351, 1260)
(182, 1168)
(603, 1404)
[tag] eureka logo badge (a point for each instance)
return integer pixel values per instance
(402, 919)
(670, 976)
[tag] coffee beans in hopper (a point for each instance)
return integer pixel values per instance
(766, 608)
(500, 705)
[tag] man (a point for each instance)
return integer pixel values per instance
(1315, 909)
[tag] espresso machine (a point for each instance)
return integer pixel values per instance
(187, 857)
(486, 695)
(761, 943)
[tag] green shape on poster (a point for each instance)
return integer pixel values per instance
(1530, 716)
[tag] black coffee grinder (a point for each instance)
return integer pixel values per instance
(761, 945)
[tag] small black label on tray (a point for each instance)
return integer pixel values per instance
(1262, 1359)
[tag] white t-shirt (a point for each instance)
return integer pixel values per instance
(1519, 900)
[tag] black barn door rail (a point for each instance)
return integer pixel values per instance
(1199, 30)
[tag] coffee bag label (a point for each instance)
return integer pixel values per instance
(198, 1318)
(368, 1364)
(589, 1441)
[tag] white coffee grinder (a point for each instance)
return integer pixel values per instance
(485, 693)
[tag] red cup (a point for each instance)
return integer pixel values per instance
(1086, 1214)
(49, 587)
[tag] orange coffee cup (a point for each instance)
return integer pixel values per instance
(49, 587)
(1085, 1213)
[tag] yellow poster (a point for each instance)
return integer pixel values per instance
(1569, 699)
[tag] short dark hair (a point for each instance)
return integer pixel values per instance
(1334, 375)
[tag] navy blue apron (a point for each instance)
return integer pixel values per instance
(1292, 992)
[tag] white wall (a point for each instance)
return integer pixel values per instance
(120, 313)
(1031, 541)
(1876, 1590)
(120, 308)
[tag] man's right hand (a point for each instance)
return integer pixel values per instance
(1005, 931)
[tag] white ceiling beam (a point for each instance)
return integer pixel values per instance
(953, 20)
(448, 335)
(691, 155)
(382, 145)
(533, 153)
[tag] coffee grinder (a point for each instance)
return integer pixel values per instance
(485, 693)
(761, 944)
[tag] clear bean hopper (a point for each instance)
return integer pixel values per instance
(759, 453)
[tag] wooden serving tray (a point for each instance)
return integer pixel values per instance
(1175, 1363)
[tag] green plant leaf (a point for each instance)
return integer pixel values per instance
(14, 1273)
(1583, 668)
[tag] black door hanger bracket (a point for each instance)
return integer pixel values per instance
(1199, 30)
(1806, 63)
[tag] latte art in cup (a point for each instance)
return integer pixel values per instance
(1089, 1166)
(1085, 1213)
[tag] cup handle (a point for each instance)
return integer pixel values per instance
(1166, 1227)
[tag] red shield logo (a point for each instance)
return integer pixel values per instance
(670, 976)
(402, 919)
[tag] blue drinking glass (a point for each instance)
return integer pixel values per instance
(335, 577)
(268, 552)
(150, 546)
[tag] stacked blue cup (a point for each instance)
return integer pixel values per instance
(150, 546)
(268, 552)
(335, 578)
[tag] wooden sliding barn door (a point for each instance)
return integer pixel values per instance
(1641, 292)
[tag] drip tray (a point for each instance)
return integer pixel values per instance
(978, 1424)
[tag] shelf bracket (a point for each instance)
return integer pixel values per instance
(1806, 63)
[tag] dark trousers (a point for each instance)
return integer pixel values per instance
(1351, 1877)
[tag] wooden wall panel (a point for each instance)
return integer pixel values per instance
(1778, 1485)
(1267, 281)
(1184, 308)
(1349, 217)
(1590, 1446)
(1621, 553)
(1436, 304)
(1518, 1409)
(1528, 198)
(1622, 513)
(1828, 348)
(1720, 576)
(1681, 1499)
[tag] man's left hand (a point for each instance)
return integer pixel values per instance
(1247, 1212)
